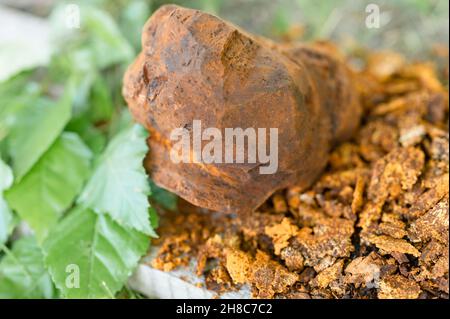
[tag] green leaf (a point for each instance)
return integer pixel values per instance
(22, 272)
(15, 93)
(120, 122)
(6, 221)
(119, 185)
(6, 176)
(98, 33)
(92, 136)
(104, 253)
(281, 22)
(133, 18)
(166, 199)
(9, 88)
(38, 126)
(77, 64)
(211, 6)
(6, 217)
(9, 111)
(154, 218)
(100, 101)
(52, 184)
(107, 42)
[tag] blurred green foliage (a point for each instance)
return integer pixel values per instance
(71, 157)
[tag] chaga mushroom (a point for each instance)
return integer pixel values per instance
(195, 67)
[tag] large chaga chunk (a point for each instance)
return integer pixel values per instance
(194, 66)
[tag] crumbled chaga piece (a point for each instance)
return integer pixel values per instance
(412, 135)
(218, 280)
(439, 148)
(281, 233)
(328, 275)
(375, 224)
(293, 196)
(172, 254)
(212, 249)
(279, 204)
(358, 194)
(369, 217)
(266, 276)
(425, 73)
(398, 287)
(432, 225)
(254, 225)
(434, 261)
(395, 229)
(184, 234)
(293, 258)
(376, 139)
(365, 271)
(396, 172)
(345, 156)
(437, 189)
(269, 277)
(382, 65)
(296, 292)
(325, 242)
(337, 180)
(388, 245)
(239, 265)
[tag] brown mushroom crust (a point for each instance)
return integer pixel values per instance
(195, 66)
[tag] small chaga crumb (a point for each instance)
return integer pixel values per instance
(388, 245)
(383, 65)
(334, 208)
(425, 73)
(184, 234)
(173, 253)
(358, 195)
(296, 294)
(293, 197)
(395, 172)
(281, 233)
(394, 229)
(212, 249)
(337, 180)
(279, 204)
(365, 271)
(430, 197)
(254, 225)
(328, 275)
(376, 139)
(369, 216)
(325, 241)
(434, 261)
(218, 279)
(412, 135)
(398, 287)
(293, 258)
(238, 265)
(439, 148)
(269, 277)
(440, 267)
(345, 156)
(434, 224)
